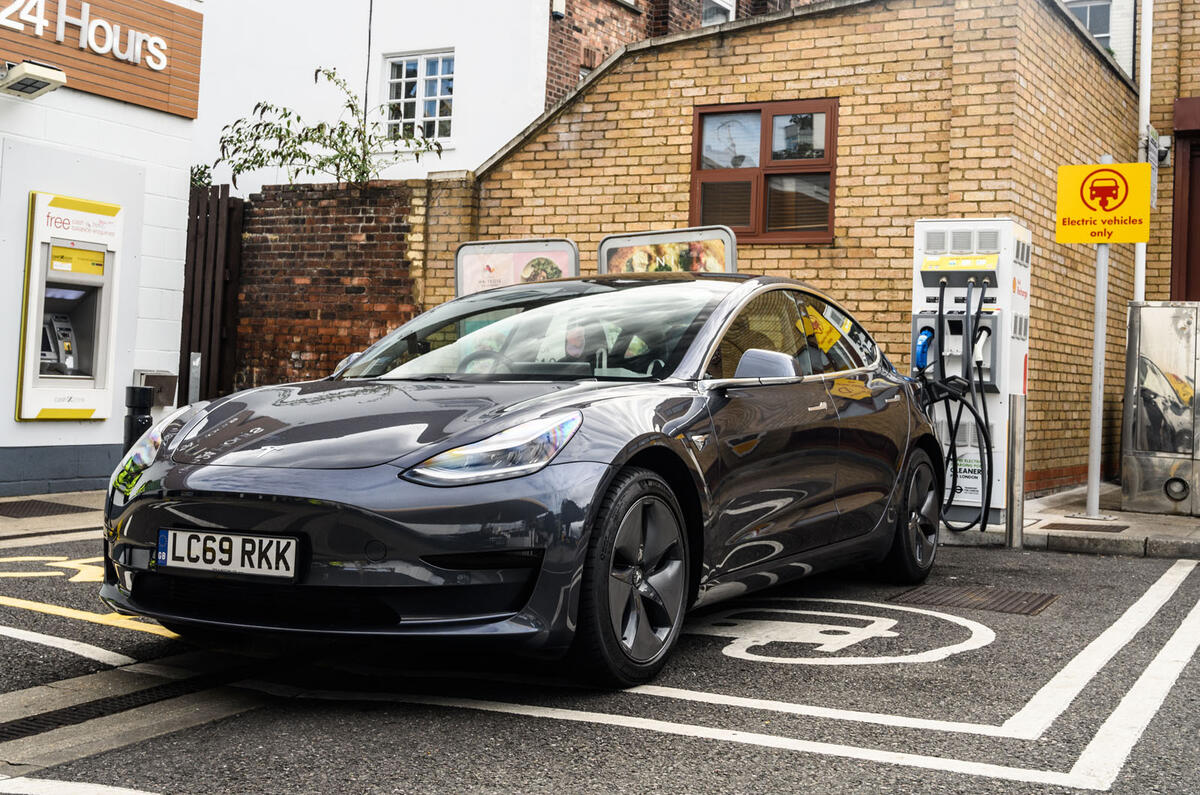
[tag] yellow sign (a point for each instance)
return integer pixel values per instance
(76, 260)
(821, 330)
(1104, 203)
(961, 262)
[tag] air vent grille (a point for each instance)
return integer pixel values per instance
(961, 241)
(935, 241)
(989, 241)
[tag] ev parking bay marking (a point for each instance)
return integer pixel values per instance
(749, 632)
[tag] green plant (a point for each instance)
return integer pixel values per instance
(201, 176)
(354, 149)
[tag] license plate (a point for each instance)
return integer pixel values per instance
(267, 556)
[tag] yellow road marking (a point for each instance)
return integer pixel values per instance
(107, 619)
(86, 569)
(31, 574)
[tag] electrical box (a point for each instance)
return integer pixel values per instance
(1160, 462)
(981, 260)
(67, 347)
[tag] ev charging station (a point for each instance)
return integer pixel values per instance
(970, 332)
(67, 351)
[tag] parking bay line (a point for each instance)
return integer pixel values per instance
(106, 619)
(94, 534)
(1031, 721)
(79, 648)
(1097, 767)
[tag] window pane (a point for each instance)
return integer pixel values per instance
(770, 322)
(798, 203)
(431, 67)
(729, 140)
(397, 70)
(715, 13)
(397, 90)
(444, 108)
(448, 66)
(725, 203)
(410, 89)
(444, 129)
(430, 108)
(447, 86)
(393, 111)
(829, 332)
(428, 129)
(1098, 19)
(409, 129)
(410, 110)
(410, 69)
(798, 136)
(1081, 13)
(431, 88)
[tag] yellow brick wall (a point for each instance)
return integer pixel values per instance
(946, 107)
(1071, 108)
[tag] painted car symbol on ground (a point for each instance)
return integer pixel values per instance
(753, 629)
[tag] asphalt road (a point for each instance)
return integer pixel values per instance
(823, 686)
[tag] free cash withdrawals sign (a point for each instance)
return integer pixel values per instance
(1105, 203)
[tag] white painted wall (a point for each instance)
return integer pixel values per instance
(72, 124)
(268, 50)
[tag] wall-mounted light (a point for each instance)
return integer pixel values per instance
(30, 79)
(558, 8)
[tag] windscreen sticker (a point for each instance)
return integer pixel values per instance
(826, 333)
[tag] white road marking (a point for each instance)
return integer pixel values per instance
(1057, 694)
(45, 786)
(1105, 755)
(74, 646)
(95, 534)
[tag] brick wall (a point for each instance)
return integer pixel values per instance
(1056, 67)
(590, 32)
(945, 108)
(325, 272)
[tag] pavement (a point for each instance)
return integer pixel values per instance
(1146, 535)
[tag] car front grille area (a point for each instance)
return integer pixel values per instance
(325, 608)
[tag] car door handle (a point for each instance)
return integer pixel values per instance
(819, 407)
(893, 399)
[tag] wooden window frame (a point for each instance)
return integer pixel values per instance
(756, 232)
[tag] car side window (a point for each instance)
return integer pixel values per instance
(770, 321)
(835, 341)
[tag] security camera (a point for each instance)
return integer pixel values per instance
(1164, 150)
(30, 79)
(558, 8)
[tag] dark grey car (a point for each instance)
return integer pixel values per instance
(563, 466)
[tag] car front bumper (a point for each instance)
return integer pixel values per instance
(377, 555)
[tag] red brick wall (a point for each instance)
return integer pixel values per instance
(325, 272)
(599, 26)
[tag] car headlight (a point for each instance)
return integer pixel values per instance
(145, 449)
(521, 450)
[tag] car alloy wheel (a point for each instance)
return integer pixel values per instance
(646, 579)
(923, 520)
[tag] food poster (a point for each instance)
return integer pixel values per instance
(696, 256)
(483, 271)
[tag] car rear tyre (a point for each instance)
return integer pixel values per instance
(914, 546)
(635, 583)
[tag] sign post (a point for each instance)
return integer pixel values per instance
(1102, 204)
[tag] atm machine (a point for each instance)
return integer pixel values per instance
(71, 282)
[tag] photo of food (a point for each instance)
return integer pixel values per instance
(540, 269)
(697, 256)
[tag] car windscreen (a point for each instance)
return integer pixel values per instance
(608, 329)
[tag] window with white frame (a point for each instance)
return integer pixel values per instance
(1095, 15)
(714, 12)
(420, 100)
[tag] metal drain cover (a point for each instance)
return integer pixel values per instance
(999, 600)
(29, 509)
(1084, 527)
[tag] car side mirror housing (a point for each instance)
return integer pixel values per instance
(344, 363)
(760, 363)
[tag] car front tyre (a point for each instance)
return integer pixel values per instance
(635, 582)
(915, 542)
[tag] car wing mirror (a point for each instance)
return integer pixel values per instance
(760, 363)
(344, 363)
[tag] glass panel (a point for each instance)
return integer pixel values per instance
(410, 89)
(410, 69)
(431, 67)
(444, 129)
(725, 203)
(1166, 388)
(410, 110)
(770, 322)
(430, 108)
(428, 128)
(798, 136)
(715, 13)
(829, 332)
(409, 129)
(1098, 19)
(730, 140)
(448, 65)
(447, 86)
(394, 111)
(1081, 13)
(798, 203)
(431, 88)
(397, 91)
(397, 70)
(444, 108)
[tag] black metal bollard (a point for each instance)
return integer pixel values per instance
(138, 400)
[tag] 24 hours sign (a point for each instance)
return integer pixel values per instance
(1107, 203)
